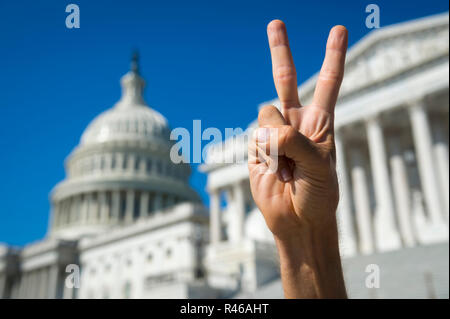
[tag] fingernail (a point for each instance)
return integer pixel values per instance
(262, 135)
(339, 36)
(286, 174)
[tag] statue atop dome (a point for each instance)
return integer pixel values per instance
(135, 62)
(132, 85)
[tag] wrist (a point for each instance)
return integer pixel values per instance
(310, 244)
(310, 259)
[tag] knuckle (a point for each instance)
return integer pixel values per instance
(265, 111)
(285, 74)
(330, 75)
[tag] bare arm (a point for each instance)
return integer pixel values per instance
(310, 264)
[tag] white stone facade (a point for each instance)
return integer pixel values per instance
(125, 216)
(140, 261)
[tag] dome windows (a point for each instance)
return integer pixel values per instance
(102, 163)
(113, 161)
(137, 163)
(124, 161)
(149, 166)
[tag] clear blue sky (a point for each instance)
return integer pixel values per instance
(201, 60)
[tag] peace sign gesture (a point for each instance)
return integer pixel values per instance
(300, 198)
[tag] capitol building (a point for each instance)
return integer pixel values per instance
(127, 219)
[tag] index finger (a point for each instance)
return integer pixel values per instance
(283, 68)
(332, 72)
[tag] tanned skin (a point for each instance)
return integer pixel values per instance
(299, 198)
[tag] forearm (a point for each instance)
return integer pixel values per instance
(310, 263)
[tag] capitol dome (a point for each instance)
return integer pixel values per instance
(129, 119)
(139, 123)
(121, 170)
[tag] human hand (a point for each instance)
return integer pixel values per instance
(299, 197)
(304, 189)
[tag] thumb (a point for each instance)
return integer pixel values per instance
(270, 115)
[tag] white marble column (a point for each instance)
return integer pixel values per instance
(145, 196)
(62, 211)
(43, 282)
(26, 288)
(2, 285)
(14, 292)
(33, 283)
(89, 208)
(157, 202)
(64, 215)
(115, 206)
(214, 215)
(67, 210)
(68, 215)
(386, 234)
(94, 216)
(84, 213)
(55, 216)
(401, 191)
(37, 284)
(441, 155)
(71, 211)
(120, 161)
(68, 203)
(31, 291)
(131, 164)
(362, 202)
(68, 293)
(103, 204)
(151, 203)
(68, 207)
(53, 281)
(22, 286)
(98, 164)
(155, 165)
(424, 151)
(238, 213)
(28, 284)
(75, 209)
(129, 208)
(142, 165)
(80, 167)
(108, 163)
(347, 239)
